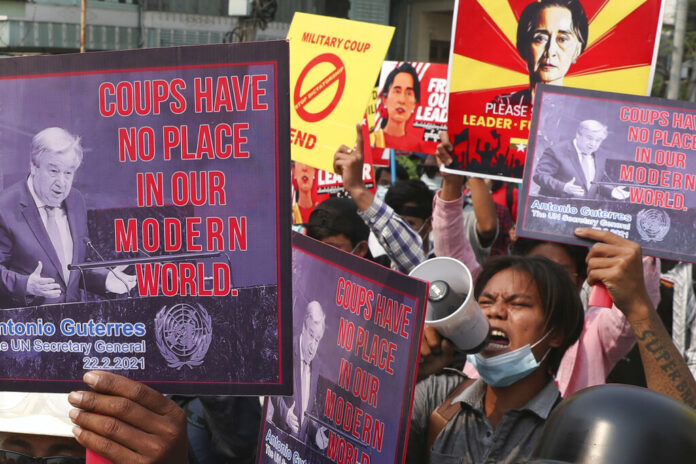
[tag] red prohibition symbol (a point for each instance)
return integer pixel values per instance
(337, 74)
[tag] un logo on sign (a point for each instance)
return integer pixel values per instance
(652, 224)
(183, 333)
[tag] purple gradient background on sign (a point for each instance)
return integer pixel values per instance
(32, 104)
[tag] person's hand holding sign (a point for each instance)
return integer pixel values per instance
(348, 163)
(451, 183)
(616, 263)
(127, 421)
(571, 188)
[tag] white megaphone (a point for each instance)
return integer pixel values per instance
(452, 309)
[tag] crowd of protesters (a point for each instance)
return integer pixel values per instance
(545, 341)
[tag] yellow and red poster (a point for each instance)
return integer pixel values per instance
(334, 66)
(502, 48)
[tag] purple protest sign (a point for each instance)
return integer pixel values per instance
(357, 334)
(613, 162)
(144, 220)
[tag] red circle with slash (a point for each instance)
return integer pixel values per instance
(338, 74)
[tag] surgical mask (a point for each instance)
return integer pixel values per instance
(355, 248)
(507, 368)
(381, 191)
(421, 228)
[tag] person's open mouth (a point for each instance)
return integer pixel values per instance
(498, 340)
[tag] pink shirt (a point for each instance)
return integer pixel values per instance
(449, 237)
(606, 336)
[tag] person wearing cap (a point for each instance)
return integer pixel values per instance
(401, 241)
(121, 420)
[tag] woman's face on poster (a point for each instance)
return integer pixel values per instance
(401, 98)
(304, 175)
(554, 46)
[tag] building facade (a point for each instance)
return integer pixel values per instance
(53, 26)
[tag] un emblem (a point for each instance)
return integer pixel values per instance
(652, 224)
(183, 333)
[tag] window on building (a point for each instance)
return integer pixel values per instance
(439, 51)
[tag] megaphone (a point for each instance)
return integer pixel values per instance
(452, 309)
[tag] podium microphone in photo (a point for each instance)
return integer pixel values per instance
(128, 281)
(452, 309)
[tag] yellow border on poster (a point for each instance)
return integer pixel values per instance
(334, 64)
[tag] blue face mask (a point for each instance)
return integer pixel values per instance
(381, 191)
(507, 368)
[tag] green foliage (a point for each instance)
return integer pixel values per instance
(410, 164)
(687, 89)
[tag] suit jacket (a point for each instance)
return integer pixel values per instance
(24, 242)
(308, 427)
(559, 164)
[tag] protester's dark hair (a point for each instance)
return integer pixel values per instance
(559, 297)
(530, 16)
(407, 191)
(337, 216)
(402, 68)
(524, 246)
(401, 172)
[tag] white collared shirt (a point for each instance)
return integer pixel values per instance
(304, 381)
(63, 226)
(587, 164)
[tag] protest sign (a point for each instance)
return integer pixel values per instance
(334, 66)
(501, 50)
(357, 334)
(412, 107)
(311, 186)
(636, 176)
(181, 194)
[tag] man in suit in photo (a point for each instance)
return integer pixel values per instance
(289, 412)
(575, 169)
(43, 229)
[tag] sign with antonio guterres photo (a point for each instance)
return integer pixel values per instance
(613, 162)
(144, 220)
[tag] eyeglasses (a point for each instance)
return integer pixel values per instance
(13, 457)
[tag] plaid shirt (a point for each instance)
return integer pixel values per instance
(402, 244)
